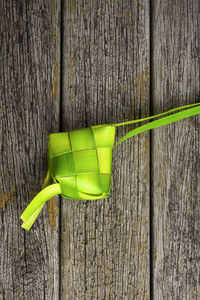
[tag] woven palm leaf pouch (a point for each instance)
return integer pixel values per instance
(80, 161)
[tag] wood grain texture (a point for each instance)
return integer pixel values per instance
(175, 151)
(29, 111)
(105, 243)
(106, 63)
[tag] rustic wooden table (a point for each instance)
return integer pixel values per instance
(70, 64)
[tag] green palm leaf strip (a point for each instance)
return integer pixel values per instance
(188, 111)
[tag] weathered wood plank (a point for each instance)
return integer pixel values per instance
(175, 156)
(105, 243)
(29, 111)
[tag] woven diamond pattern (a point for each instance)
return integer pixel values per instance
(81, 161)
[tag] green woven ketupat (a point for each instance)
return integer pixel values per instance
(80, 161)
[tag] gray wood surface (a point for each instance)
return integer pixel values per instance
(143, 241)
(29, 111)
(105, 243)
(175, 152)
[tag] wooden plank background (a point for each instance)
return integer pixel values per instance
(175, 152)
(29, 111)
(69, 64)
(105, 243)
